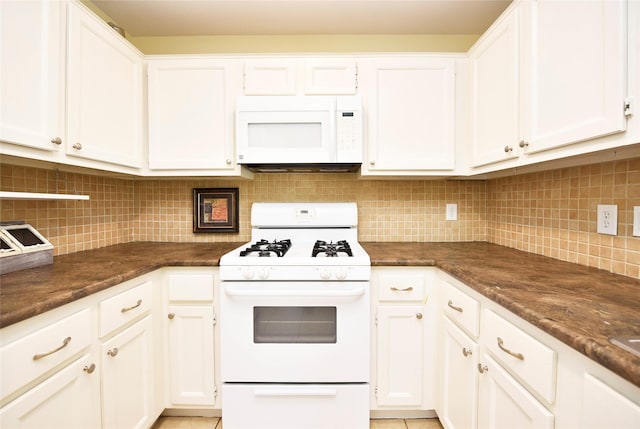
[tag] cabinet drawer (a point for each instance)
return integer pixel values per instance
(461, 308)
(524, 356)
(402, 285)
(28, 358)
(119, 310)
(191, 287)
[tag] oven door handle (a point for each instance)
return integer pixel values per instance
(306, 391)
(351, 293)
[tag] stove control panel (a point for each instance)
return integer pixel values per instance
(293, 273)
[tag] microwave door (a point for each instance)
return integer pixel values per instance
(286, 137)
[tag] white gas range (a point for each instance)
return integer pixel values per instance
(294, 320)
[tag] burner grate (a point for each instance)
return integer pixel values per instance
(264, 248)
(331, 249)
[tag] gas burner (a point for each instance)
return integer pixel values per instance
(264, 248)
(331, 249)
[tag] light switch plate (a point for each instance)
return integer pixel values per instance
(607, 219)
(636, 221)
(452, 212)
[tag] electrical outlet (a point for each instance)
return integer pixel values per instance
(607, 219)
(452, 212)
(636, 221)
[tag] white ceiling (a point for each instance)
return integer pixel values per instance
(303, 17)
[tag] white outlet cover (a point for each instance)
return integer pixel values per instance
(636, 221)
(452, 212)
(607, 219)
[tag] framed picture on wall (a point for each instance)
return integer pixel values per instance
(215, 210)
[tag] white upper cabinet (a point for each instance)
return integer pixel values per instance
(544, 81)
(300, 76)
(410, 103)
(191, 115)
(573, 71)
(495, 97)
(104, 92)
(31, 73)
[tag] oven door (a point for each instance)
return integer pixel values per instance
(294, 332)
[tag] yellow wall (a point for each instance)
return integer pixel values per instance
(303, 43)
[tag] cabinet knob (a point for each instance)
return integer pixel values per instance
(77, 146)
(508, 149)
(89, 368)
(228, 161)
(56, 140)
(113, 352)
(482, 368)
(523, 144)
(466, 352)
(171, 316)
(418, 316)
(372, 162)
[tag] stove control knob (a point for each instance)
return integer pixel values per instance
(263, 274)
(247, 273)
(341, 274)
(325, 274)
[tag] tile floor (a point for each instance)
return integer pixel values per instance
(216, 423)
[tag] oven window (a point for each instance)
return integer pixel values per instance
(294, 325)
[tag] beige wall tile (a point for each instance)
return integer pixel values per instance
(550, 213)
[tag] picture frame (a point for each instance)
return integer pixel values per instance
(215, 210)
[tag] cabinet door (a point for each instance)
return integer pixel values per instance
(573, 71)
(31, 59)
(191, 355)
(495, 98)
(104, 92)
(270, 77)
(460, 379)
(603, 407)
(330, 76)
(411, 115)
(191, 114)
(400, 371)
(70, 399)
(127, 384)
(505, 404)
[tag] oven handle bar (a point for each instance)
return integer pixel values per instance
(307, 391)
(352, 293)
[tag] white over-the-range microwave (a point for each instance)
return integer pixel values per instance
(280, 133)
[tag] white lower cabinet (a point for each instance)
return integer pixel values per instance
(190, 339)
(517, 376)
(127, 382)
(67, 400)
(604, 407)
(459, 379)
(403, 339)
(505, 404)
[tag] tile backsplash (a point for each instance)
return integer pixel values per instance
(550, 213)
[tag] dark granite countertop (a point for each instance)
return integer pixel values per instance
(580, 306)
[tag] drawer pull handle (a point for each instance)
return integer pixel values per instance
(519, 356)
(171, 316)
(407, 289)
(64, 344)
(125, 309)
(453, 307)
(466, 352)
(113, 352)
(89, 368)
(482, 368)
(418, 316)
